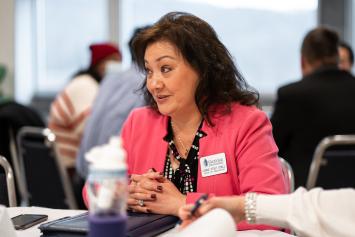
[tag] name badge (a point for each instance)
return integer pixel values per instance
(213, 164)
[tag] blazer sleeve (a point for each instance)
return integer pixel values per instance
(257, 161)
(259, 169)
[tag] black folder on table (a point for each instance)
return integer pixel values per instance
(138, 224)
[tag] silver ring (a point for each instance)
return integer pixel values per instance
(141, 203)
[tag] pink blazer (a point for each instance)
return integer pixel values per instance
(244, 135)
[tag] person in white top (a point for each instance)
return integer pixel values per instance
(72, 106)
(316, 212)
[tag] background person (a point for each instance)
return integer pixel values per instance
(70, 109)
(318, 105)
(309, 213)
(346, 57)
(116, 97)
(201, 129)
(13, 116)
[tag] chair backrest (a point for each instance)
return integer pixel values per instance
(333, 163)
(13, 116)
(288, 174)
(7, 184)
(47, 183)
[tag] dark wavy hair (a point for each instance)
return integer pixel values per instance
(92, 71)
(220, 83)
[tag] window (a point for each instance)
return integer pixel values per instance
(264, 37)
(52, 40)
(52, 37)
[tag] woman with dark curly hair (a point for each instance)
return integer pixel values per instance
(201, 131)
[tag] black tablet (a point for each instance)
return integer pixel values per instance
(138, 224)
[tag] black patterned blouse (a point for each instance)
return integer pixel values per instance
(185, 176)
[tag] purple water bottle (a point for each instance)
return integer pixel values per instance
(107, 190)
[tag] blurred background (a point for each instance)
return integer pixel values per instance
(44, 42)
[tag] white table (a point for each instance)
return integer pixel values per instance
(54, 214)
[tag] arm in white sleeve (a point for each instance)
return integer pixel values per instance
(314, 213)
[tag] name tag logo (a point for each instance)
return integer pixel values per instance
(213, 164)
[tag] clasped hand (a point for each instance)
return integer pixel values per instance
(153, 193)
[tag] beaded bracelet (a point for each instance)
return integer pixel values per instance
(250, 207)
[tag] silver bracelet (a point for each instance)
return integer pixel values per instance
(250, 207)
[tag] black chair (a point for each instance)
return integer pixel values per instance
(7, 184)
(14, 116)
(333, 163)
(46, 180)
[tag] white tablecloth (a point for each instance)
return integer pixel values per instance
(58, 213)
(53, 214)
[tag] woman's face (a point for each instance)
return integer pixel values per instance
(170, 79)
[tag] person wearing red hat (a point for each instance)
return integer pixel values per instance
(72, 106)
(100, 55)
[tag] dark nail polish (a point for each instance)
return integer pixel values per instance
(149, 211)
(153, 169)
(160, 188)
(154, 196)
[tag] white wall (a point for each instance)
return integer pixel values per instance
(7, 8)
